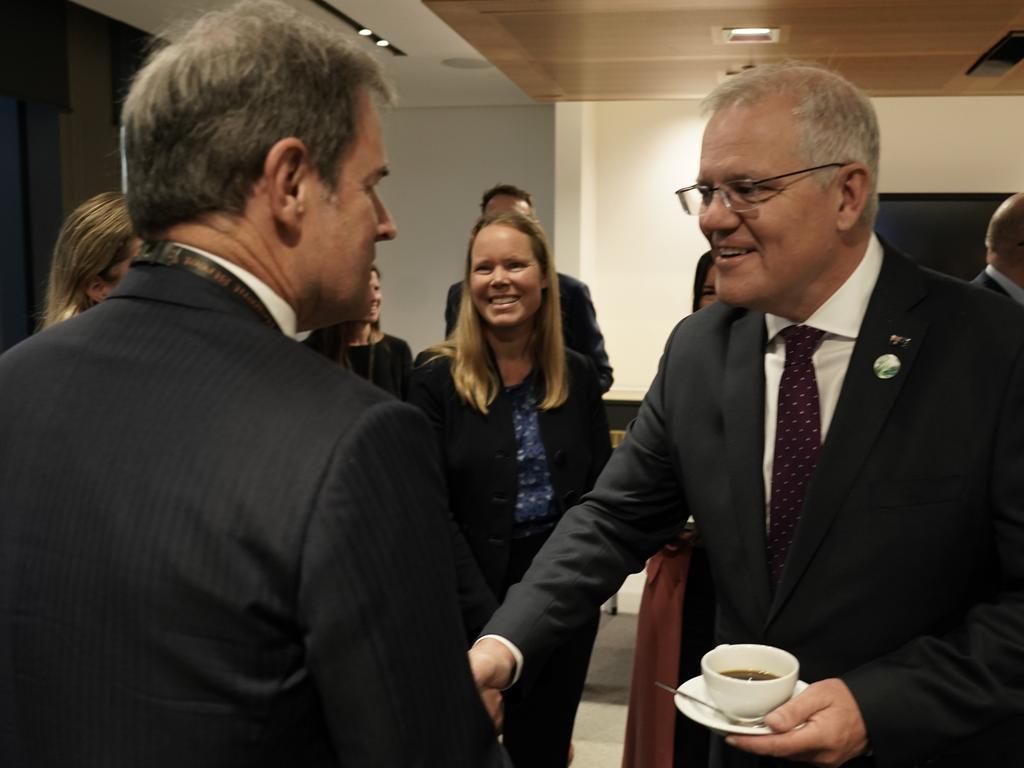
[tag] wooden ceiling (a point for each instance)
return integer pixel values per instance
(583, 50)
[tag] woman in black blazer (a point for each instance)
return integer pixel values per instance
(363, 347)
(523, 435)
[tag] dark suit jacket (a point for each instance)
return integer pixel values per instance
(906, 573)
(579, 323)
(391, 358)
(217, 548)
(986, 280)
(479, 455)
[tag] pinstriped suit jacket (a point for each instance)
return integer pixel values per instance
(216, 548)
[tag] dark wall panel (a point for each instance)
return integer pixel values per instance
(942, 231)
(14, 322)
(33, 51)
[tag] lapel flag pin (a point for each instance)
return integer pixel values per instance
(887, 366)
(899, 341)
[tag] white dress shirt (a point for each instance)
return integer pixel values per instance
(840, 317)
(278, 308)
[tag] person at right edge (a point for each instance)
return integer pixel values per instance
(878, 536)
(1004, 250)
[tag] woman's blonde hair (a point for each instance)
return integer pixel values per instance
(476, 380)
(93, 240)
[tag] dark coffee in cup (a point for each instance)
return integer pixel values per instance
(749, 674)
(746, 680)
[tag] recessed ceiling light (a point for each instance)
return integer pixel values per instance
(360, 29)
(751, 34)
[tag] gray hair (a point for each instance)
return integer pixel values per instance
(205, 109)
(838, 120)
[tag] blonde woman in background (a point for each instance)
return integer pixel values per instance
(93, 251)
(522, 435)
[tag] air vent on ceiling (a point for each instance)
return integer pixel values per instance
(1001, 57)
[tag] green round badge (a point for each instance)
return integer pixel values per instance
(887, 366)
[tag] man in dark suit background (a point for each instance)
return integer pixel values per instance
(579, 319)
(1004, 243)
(896, 573)
(214, 543)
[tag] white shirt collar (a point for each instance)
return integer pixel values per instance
(843, 312)
(278, 308)
(1016, 291)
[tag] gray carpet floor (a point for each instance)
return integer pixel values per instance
(601, 719)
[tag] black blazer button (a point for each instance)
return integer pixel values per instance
(500, 455)
(559, 459)
(499, 497)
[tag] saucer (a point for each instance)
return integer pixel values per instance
(713, 720)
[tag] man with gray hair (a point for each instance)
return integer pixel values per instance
(1004, 243)
(847, 430)
(214, 543)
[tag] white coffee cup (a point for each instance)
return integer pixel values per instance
(746, 699)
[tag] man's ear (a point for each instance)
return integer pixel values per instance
(286, 174)
(855, 186)
(97, 289)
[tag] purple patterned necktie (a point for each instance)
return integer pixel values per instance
(797, 441)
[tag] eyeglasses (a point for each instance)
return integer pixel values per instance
(739, 195)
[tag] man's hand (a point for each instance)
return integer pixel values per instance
(494, 703)
(833, 730)
(492, 665)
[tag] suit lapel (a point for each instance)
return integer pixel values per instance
(865, 403)
(743, 414)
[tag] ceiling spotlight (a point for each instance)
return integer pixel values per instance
(360, 29)
(751, 34)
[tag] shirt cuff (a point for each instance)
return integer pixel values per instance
(517, 655)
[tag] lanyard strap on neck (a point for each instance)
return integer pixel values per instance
(173, 255)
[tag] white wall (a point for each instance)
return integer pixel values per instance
(964, 144)
(441, 160)
(639, 253)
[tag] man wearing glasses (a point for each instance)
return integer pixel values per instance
(847, 430)
(1004, 242)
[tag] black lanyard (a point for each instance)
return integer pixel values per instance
(172, 255)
